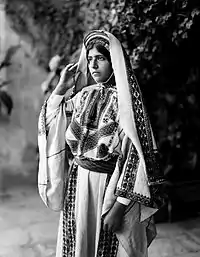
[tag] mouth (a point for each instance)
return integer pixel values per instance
(95, 73)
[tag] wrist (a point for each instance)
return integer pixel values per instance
(123, 200)
(61, 89)
(119, 207)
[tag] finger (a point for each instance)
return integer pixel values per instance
(66, 69)
(108, 228)
(105, 226)
(68, 66)
(73, 67)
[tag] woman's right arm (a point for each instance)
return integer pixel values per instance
(64, 83)
(63, 89)
(53, 121)
(53, 105)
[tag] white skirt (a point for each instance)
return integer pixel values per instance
(89, 194)
(90, 188)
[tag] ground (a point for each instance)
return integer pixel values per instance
(29, 229)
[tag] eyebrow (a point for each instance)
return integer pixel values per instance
(96, 55)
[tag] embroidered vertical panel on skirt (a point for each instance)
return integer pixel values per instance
(69, 225)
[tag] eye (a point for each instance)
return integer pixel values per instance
(89, 59)
(101, 58)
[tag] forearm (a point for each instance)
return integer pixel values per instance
(52, 107)
(66, 80)
(63, 88)
(54, 101)
(119, 207)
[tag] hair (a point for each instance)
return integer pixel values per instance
(101, 48)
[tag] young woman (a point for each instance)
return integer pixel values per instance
(108, 195)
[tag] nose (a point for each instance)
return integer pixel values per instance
(94, 64)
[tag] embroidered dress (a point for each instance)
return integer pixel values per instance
(95, 133)
(108, 132)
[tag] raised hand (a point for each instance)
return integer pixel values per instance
(65, 75)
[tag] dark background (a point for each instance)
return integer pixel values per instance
(162, 40)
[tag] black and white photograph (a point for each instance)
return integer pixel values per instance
(99, 128)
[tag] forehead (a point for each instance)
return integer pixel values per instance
(94, 52)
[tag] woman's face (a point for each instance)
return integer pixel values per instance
(99, 66)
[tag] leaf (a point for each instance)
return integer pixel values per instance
(195, 12)
(7, 101)
(4, 83)
(189, 24)
(8, 56)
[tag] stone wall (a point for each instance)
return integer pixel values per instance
(18, 133)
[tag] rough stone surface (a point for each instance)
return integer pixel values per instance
(18, 133)
(29, 229)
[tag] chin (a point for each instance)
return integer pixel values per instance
(98, 80)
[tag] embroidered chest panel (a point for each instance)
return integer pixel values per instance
(94, 121)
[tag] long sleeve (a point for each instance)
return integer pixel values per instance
(53, 104)
(133, 184)
(123, 200)
(53, 121)
(128, 165)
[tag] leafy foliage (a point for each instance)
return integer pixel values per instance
(161, 38)
(6, 102)
(50, 27)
